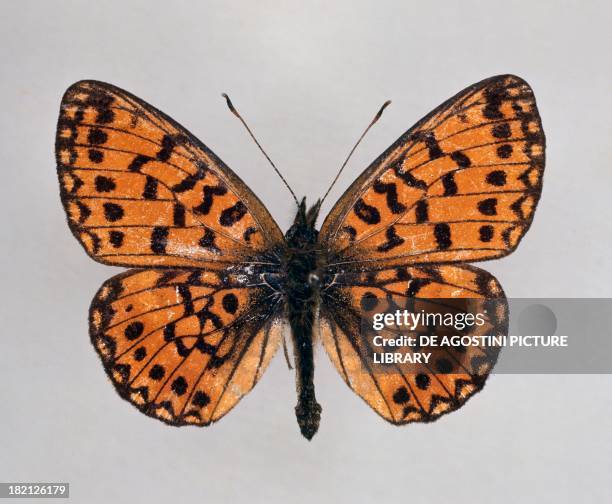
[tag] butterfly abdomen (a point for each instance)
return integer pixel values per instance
(302, 295)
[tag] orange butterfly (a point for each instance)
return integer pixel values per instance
(188, 332)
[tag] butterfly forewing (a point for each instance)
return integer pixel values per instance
(461, 185)
(140, 190)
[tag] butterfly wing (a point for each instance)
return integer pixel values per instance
(184, 346)
(140, 190)
(419, 392)
(186, 342)
(461, 185)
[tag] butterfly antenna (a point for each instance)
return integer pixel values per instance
(376, 118)
(233, 110)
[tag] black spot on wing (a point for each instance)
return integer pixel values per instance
(401, 396)
(178, 215)
(450, 186)
(104, 184)
(248, 232)
(462, 160)
(422, 211)
(179, 385)
(429, 139)
(407, 177)
(209, 192)
(501, 130)
(393, 240)
(494, 96)
(115, 238)
(200, 399)
(84, 211)
(208, 241)
(444, 366)
(230, 303)
(186, 299)
(112, 212)
(190, 181)
(150, 188)
(105, 116)
(391, 195)
(159, 240)
(442, 234)
(422, 381)
(205, 314)
(233, 214)
(169, 142)
(366, 213)
(134, 330)
(504, 151)
(169, 331)
(496, 178)
(138, 162)
(157, 372)
(415, 285)
(486, 233)
(95, 155)
(140, 353)
(205, 348)
(181, 348)
(488, 206)
(96, 136)
(369, 301)
(402, 273)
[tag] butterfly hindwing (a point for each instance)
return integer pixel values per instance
(461, 185)
(184, 346)
(420, 392)
(140, 190)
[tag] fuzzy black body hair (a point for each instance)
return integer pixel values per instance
(302, 293)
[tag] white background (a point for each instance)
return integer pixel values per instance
(308, 77)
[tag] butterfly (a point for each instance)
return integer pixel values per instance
(190, 329)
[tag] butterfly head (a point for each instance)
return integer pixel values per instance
(303, 233)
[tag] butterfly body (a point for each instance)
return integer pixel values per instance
(301, 293)
(188, 331)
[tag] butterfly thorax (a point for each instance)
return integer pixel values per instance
(301, 258)
(302, 288)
